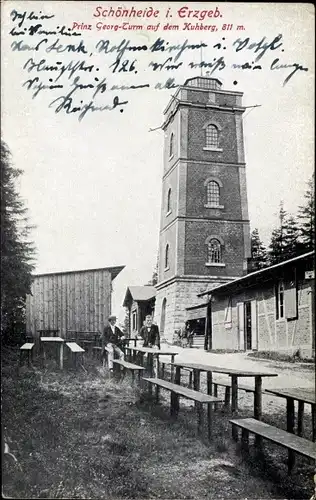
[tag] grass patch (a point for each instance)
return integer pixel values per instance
(81, 435)
(296, 357)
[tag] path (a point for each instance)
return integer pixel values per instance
(289, 374)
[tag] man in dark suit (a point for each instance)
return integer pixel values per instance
(150, 333)
(113, 338)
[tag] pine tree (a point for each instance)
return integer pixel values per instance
(259, 258)
(17, 252)
(284, 242)
(154, 278)
(306, 218)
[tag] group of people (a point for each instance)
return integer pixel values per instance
(186, 335)
(113, 338)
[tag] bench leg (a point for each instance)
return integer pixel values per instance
(200, 417)
(157, 391)
(245, 440)
(209, 421)
(174, 405)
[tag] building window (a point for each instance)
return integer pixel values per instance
(212, 193)
(169, 201)
(167, 257)
(211, 136)
(279, 296)
(171, 146)
(214, 252)
(134, 320)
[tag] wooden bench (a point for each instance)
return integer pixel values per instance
(27, 348)
(75, 350)
(278, 436)
(199, 398)
(126, 365)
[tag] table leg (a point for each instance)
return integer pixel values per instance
(234, 394)
(209, 376)
(196, 380)
(258, 398)
(215, 395)
(258, 406)
(150, 370)
(61, 354)
(177, 377)
(209, 383)
(290, 423)
(172, 368)
(300, 418)
(314, 422)
(234, 404)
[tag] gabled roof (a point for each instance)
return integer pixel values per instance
(251, 278)
(139, 293)
(113, 270)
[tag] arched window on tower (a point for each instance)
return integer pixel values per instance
(214, 251)
(211, 136)
(171, 145)
(169, 201)
(212, 193)
(167, 256)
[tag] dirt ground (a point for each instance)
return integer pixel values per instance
(82, 435)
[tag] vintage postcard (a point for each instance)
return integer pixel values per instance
(167, 152)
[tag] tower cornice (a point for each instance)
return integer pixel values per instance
(187, 104)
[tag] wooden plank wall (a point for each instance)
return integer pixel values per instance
(69, 301)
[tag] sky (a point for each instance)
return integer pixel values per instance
(93, 187)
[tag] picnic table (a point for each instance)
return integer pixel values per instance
(151, 352)
(302, 395)
(234, 374)
(59, 342)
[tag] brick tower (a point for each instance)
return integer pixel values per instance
(204, 232)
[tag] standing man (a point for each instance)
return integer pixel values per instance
(150, 333)
(112, 338)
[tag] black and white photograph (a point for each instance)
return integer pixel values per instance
(158, 250)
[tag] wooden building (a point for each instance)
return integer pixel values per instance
(272, 309)
(74, 300)
(139, 301)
